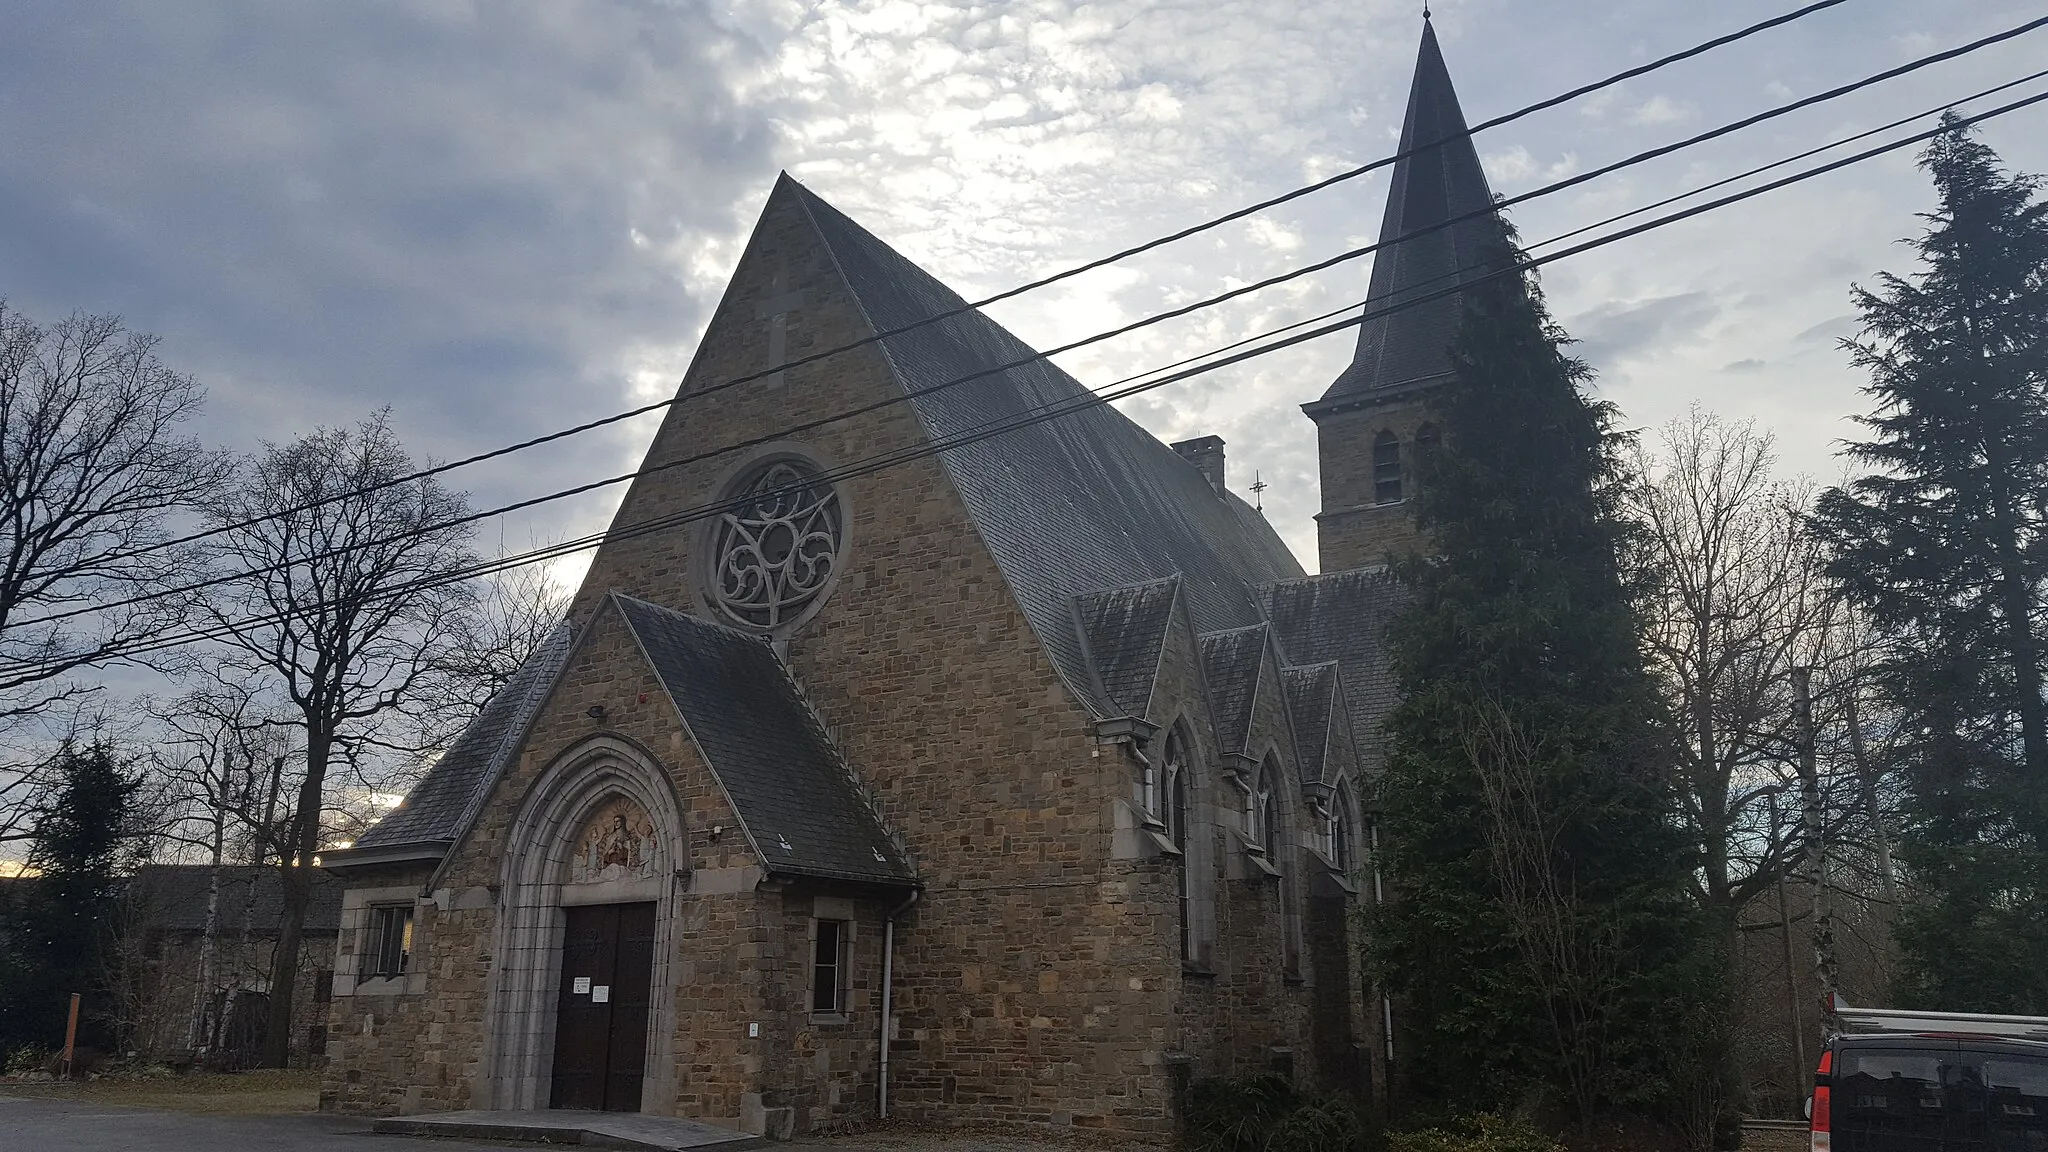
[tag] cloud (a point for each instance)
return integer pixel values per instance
(1623, 331)
(1661, 110)
(485, 217)
(506, 218)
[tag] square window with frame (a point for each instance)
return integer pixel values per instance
(829, 951)
(390, 951)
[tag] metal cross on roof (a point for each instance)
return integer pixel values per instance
(1258, 489)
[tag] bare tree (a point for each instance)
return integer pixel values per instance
(1736, 603)
(1570, 953)
(224, 764)
(95, 474)
(512, 613)
(348, 602)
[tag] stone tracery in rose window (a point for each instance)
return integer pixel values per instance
(778, 548)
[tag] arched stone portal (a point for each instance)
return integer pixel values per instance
(600, 826)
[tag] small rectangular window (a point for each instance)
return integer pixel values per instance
(323, 985)
(316, 1040)
(828, 967)
(390, 940)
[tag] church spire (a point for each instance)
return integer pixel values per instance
(1440, 180)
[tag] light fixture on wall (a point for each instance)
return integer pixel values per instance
(595, 712)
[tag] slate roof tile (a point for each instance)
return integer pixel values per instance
(173, 897)
(1123, 631)
(1343, 616)
(1083, 502)
(800, 805)
(1311, 698)
(1231, 660)
(443, 805)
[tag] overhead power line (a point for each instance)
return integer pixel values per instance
(1031, 286)
(1144, 322)
(1091, 400)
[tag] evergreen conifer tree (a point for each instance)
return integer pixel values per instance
(58, 924)
(1945, 541)
(1540, 938)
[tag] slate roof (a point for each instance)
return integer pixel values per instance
(1343, 617)
(1311, 697)
(1077, 504)
(799, 804)
(443, 805)
(172, 897)
(1231, 661)
(1123, 631)
(1443, 180)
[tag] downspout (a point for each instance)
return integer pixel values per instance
(889, 997)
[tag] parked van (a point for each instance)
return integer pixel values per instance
(1932, 1082)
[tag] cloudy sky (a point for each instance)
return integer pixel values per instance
(502, 218)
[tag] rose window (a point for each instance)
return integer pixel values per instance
(777, 544)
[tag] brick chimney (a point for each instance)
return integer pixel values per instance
(1206, 453)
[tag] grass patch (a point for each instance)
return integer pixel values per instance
(264, 1091)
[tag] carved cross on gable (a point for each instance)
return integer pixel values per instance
(775, 309)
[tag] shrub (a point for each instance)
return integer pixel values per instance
(1235, 1115)
(27, 1059)
(1266, 1114)
(1481, 1132)
(1319, 1124)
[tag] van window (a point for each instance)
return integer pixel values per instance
(2016, 1097)
(1890, 1099)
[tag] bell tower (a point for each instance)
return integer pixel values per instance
(1374, 421)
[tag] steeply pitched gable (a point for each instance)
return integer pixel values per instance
(798, 801)
(1071, 505)
(1231, 661)
(443, 805)
(1311, 698)
(1123, 631)
(1441, 181)
(1343, 617)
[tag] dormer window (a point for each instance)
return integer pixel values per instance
(1386, 469)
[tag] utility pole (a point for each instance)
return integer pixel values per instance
(1815, 851)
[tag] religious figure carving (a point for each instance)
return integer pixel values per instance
(617, 843)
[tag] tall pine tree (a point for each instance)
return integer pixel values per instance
(1540, 937)
(1945, 540)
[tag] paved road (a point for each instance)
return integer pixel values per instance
(87, 1126)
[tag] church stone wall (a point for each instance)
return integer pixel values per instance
(1037, 978)
(946, 706)
(373, 1040)
(1269, 1005)
(1353, 531)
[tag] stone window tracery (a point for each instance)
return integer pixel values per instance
(777, 546)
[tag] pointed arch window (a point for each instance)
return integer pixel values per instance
(1258, 809)
(1176, 816)
(1343, 831)
(1386, 468)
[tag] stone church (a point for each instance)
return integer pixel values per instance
(900, 757)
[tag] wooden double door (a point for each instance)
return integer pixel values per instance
(602, 1011)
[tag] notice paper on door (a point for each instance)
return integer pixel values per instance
(601, 994)
(583, 986)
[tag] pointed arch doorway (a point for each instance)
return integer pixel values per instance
(582, 996)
